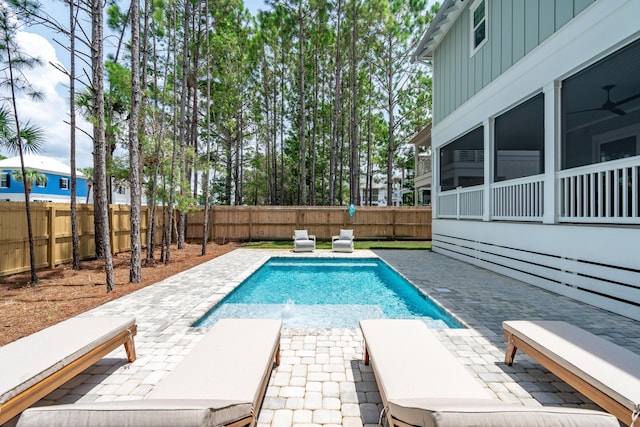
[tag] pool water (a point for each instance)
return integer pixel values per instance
(327, 293)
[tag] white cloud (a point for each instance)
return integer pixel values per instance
(52, 114)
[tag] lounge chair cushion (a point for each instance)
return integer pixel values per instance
(422, 383)
(342, 245)
(220, 381)
(225, 365)
(300, 235)
(491, 413)
(346, 235)
(609, 367)
(305, 244)
(139, 413)
(58, 345)
(398, 346)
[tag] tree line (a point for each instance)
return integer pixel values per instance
(201, 103)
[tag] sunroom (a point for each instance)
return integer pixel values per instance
(569, 153)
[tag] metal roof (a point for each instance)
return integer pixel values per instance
(39, 163)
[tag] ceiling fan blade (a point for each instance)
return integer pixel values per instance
(629, 99)
(617, 111)
(586, 111)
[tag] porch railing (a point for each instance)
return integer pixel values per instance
(607, 192)
(601, 193)
(461, 203)
(519, 199)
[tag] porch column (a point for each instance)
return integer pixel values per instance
(489, 146)
(552, 149)
(435, 181)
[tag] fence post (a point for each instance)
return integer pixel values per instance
(112, 240)
(393, 221)
(52, 238)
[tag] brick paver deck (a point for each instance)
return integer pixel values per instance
(321, 380)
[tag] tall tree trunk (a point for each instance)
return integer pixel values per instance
(32, 254)
(323, 200)
(237, 179)
(229, 169)
(75, 240)
(354, 145)
(135, 271)
(312, 148)
(369, 178)
(184, 98)
(99, 141)
(303, 112)
(390, 105)
(282, 94)
(337, 114)
(168, 223)
(207, 168)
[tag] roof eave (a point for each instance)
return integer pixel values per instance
(439, 27)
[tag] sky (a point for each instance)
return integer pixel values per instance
(52, 114)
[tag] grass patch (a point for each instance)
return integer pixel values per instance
(364, 244)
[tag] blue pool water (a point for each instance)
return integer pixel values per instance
(327, 293)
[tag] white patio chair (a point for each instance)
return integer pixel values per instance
(303, 241)
(343, 242)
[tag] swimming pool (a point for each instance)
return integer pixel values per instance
(327, 293)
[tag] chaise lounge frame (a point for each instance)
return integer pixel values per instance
(421, 383)
(221, 381)
(588, 389)
(31, 395)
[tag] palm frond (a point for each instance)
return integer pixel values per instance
(32, 138)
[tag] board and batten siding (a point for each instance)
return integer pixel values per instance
(515, 28)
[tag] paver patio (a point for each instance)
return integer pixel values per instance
(321, 380)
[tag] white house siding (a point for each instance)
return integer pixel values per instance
(595, 263)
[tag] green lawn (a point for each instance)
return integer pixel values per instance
(364, 244)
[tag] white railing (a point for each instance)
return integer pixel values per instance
(461, 203)
(519, 199)
(601, 193)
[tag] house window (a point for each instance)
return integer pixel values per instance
(519, 140)
(601, 110)
(64, 183)
(462, 161)
(478, 25)
(121, 189)
(4, 180)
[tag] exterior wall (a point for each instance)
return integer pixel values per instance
(594, 263)
(50, 193)
(597, 265)
(516, 27)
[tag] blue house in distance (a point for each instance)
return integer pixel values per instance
(56, 189)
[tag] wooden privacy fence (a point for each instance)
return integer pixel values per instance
(248, 223)
(51, 225)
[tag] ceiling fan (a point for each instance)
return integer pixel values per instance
(609, 105)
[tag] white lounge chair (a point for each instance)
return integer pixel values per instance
(221, 382)
(421, 383)
(342, 242)
(34, 366)
(303, 241)
(601, 370)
